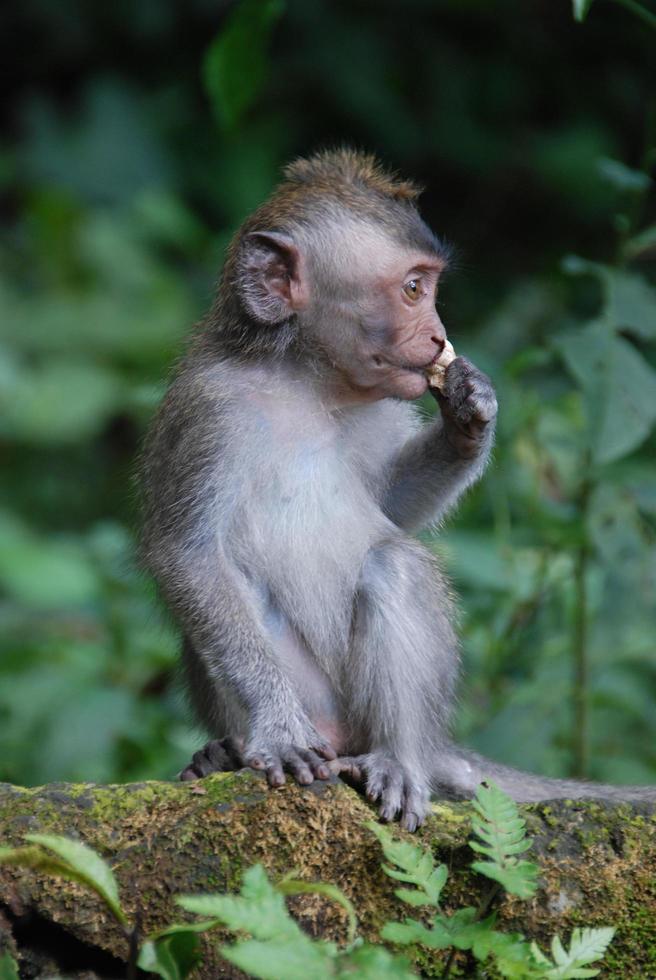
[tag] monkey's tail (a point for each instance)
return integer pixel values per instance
(459, 771)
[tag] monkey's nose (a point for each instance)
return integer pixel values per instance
(439, 342)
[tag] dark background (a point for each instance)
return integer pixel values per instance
(134, 142)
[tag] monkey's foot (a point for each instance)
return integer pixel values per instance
(226, 755)
(304, 764)
(400, 793)
(219, 755)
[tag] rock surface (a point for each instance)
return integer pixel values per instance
(598, 867)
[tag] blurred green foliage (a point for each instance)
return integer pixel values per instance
(136, 137)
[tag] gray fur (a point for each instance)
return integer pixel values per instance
(280, 490)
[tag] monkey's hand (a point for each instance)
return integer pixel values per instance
(469, 407)
(401, 793)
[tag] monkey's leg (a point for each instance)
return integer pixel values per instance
(273, 732)
(401, 673)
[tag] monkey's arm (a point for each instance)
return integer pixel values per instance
(434, 468)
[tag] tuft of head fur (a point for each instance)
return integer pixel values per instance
(361, 171)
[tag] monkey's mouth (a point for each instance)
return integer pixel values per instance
(404, 365)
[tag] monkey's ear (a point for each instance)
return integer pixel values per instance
(272, 278)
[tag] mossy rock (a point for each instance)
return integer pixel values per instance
(598, 867)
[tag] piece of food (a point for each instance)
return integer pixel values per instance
(436, 373)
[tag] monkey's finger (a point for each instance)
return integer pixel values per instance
(376, 782)
(202, 764)
(275, 775)
(233, 752)
(347, 767)
(410, 821)
(415, 807)
(218, 757)
(271, 765)
(316, 764)
(392, 796)
(325, 750)
(297, 766)
(188, 774)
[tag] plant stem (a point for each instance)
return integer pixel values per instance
(580, 640)
(482, 910)
(449, 964)
(487, 901)
(636, 8)
(134, 940)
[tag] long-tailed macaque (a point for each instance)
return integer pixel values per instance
(284, 477)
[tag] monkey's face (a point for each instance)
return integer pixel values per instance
(401, 333)
(363, 302)
(377, 319)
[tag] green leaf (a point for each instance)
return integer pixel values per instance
(259, 908)
(177, 927)
(373, 963)
(44, 572)
(574, 265)
(172, 957)
(410, 931)
(280, 959)
(630, 301)
(8, 967)
(60, 401)
(581, 8)
(279, 948)
(502, 835)
(417, 868)
(290, 886)
(619, 388)
(622, 177)
(519, 879)
(644, 241)
(631, 304)
(236, 63)
(35, 859)
(81, 863)
(586, 947)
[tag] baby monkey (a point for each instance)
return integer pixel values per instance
(284, 477)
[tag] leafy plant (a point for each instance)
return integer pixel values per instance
(236, 64)
(586, 947)
(581, 8)
(8, 967)
(278, 948)
(73, 860)
(501, 837)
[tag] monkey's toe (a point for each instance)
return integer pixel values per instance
(410, 821)
(216, 756)
(317, 765)
(186, 775)
(305, 765)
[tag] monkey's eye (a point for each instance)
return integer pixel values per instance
(412, 289)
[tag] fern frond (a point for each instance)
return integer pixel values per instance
(586, 947)
(417, 867)
(501, 836)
